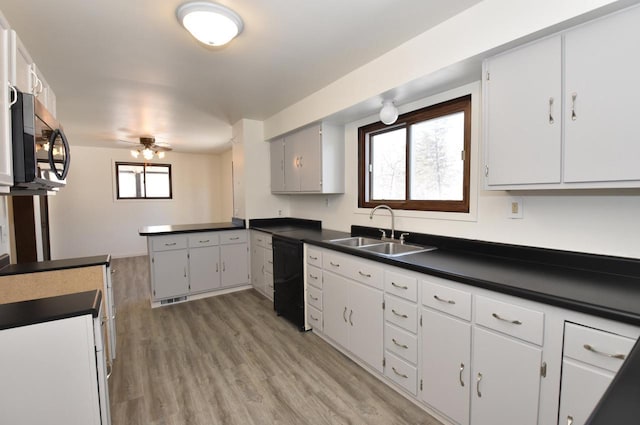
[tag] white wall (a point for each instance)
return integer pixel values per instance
(601, 222)
(86, 219)
(226, 185)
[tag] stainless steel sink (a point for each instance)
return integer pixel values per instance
(394, 249)
(355, 241)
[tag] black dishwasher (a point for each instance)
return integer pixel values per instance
(288, 280)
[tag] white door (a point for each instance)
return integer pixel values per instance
(6, 158)
(310, 148)
(204, 269)
(523, 113)
(446, 364)
(505, 381)
(277, 165)
(235, 264)
(170, 276)
(335, 293)
(366, 322)
(602, 91)
(582, 388)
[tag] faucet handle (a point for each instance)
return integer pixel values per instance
(384, 234)
(402, 235)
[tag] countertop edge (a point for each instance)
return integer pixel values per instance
(53, 265)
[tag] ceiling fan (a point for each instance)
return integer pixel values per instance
(148, 148)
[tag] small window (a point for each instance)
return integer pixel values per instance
(421, 162)
(143, 181)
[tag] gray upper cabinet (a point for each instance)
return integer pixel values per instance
(310, 160)
(559, 112)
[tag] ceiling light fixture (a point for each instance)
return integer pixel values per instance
(389, 112)
(210, 23)
(147, 153)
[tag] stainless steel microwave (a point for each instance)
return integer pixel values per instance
(41, 155)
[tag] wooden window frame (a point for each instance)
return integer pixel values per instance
(461, 104)
(144, 165)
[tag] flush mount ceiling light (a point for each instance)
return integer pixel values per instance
(210, 23)
(389, 112)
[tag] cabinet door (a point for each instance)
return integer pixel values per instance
(366, 322)
(310, 159)
(506, 380)
(335, 292)
(292, 163)
(235, 264)
(6, 173)
(582, 388)
(204, 269)
(523, 114)
(277, 165)
(601, 92)
(22, 75)
(257, 268)
(170, 278)
(446, 364)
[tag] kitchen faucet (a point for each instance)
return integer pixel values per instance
(393, 220)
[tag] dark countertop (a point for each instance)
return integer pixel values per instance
(188, 228)
(42, 310)
(46, 266)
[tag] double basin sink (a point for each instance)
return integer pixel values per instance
(379, 247)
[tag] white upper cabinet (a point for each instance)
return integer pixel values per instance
(559, 112)
(524, 124)
(310, 160)
(601, 92)
(6, 164)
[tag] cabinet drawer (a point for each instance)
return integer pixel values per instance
(596, 347)
(169, 242)
(314, 276)
(401, 343)
(401, 372)
(363, 271)
(510, 319)
(446, 299)
(314, 257)
(401, 285)
(259, 238)
(314, 318)
(233, 236)
(314, 297)
(401, 313)
(203, 239)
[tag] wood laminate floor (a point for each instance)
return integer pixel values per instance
(231, 360)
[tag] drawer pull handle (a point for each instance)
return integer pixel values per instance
(443, 300)
(313, 318)
(313, 258)
(398, 344)
(513, 322)
(364, 274)
(398, 373)
(399, 286)
(170, 244)
(569, 420)
(234, 239)
(313, 277)
(350, 316)
(334, 264)
(344, 314)
(478, 384)
(602, 353)
(313, 298)
(460, 377)
(205, 241)
(259, 240)
(404, 316)
(270, 261)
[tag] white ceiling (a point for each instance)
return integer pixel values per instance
(124, 68)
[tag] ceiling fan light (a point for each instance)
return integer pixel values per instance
(135, 153)
(210, 23)
(160, 154)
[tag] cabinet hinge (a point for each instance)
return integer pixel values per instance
(383, 305)
(488, 76)
(421, 385)
(543, 370)
(188, 255)
(153, 260)
(486, 171)
(154, 292)
(371, 168)
(421, 320)
(384, 362)
(462, 155)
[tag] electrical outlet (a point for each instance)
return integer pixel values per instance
(515, 207)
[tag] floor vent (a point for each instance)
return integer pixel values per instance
(173, 300)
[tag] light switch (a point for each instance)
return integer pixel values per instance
(515, 207)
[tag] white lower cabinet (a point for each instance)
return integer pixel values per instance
(446, 364)
(353, 318)
(197, 263)
(505, 380)
(582, 388)
(262, 263)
